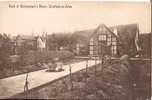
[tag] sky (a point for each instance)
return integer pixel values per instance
(82, 16)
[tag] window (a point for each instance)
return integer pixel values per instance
(102, 37)
(91, 52)
(113, 42)
(109, 39)
(91, 48)
(113, 39)
(108, 43)
(91, 41)
(114, 50)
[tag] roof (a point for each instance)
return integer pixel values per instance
(128, 30)
(25, 37)
(103, 25)
(85, 35)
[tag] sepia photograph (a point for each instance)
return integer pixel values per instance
(68, 50)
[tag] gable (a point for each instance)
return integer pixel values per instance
(102, 30)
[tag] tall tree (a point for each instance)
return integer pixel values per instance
(5, 49)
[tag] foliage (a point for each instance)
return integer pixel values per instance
(55, 41)
(145, 44)
(127, 36)
(5, 48)
(33, 57)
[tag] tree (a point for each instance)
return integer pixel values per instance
(5, 49)
(55, 41)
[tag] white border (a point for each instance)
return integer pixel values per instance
(88, 0)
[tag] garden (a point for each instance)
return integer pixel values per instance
(103, 81)
(110, 80)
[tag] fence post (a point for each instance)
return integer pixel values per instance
(70, 70)
(101, 63)
(95, 71)
(26, 86)
(86, 76)
(86, 66)
(95, 66)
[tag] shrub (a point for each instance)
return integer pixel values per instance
(33, 57)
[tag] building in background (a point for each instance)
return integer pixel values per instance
(23, 43)
(41, 44)
(103, 40)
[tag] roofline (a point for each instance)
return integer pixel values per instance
(110, 31)
(95, 31)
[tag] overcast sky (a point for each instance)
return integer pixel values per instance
(82, 15)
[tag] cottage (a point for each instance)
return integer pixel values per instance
(20, 41)
(103, 40)
(115, 41)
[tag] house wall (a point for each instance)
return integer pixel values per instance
(114, 41)
(103, 43)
